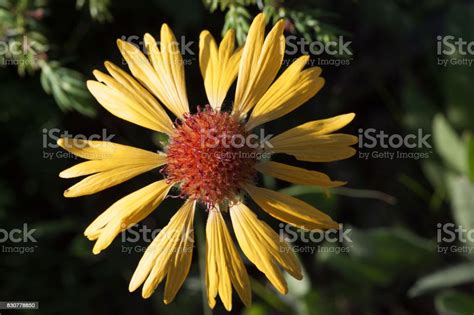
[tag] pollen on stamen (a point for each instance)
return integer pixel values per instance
(210, 157)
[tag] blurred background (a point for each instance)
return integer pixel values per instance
(410, 216)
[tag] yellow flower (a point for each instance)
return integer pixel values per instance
(200, 162)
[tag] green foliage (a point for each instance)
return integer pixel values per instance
(21, 34)
(67, 87)
(461, 192)
(28, 49)
(374, 256)
(391, 266)
(445, 278)
(470, 157)
(448, 145)
(302, 19)
(454, 303)
(237, 18)
(98, 9)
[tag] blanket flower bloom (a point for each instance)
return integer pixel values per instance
(202, 165)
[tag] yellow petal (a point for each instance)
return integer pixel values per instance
(315, 128)
(169, 255)
(293, 88)
(263, 246)
(180, 264)
(219, 66)
(224, 267)
(125, 98)
(296, 175)
(260, 63)
(96, 166)
(164, 75)
(290, 210)
(326, 148)
(112, 164)
(312, 141)
(208, 63)
(173, 66)
(106, 179)
(94, 149)
(125, 212)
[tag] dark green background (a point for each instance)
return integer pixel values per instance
(393, 83)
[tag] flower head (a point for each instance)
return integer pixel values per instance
(212, 158)
(207, 161)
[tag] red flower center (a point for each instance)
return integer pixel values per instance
(211, 156)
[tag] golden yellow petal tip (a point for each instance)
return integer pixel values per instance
(96, 250)
(261, 15)
(165, 27)
(298, 276)
(96, 73)
(132, 286)
(146, 294)
(148, 37)
(204, 33)
(280, 23)
(338, 183)
(90, 83)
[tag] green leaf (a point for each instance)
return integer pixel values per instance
(470, 156)
(353, 269)
(374, 255)
(98, 9)
(160, 139)
(382, 247)
(445, 278)
(454, 303)
(448, 145)
(435, 174)
(461, 192)
(255, 309)
(67, 87)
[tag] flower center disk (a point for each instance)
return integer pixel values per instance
(211, 157)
